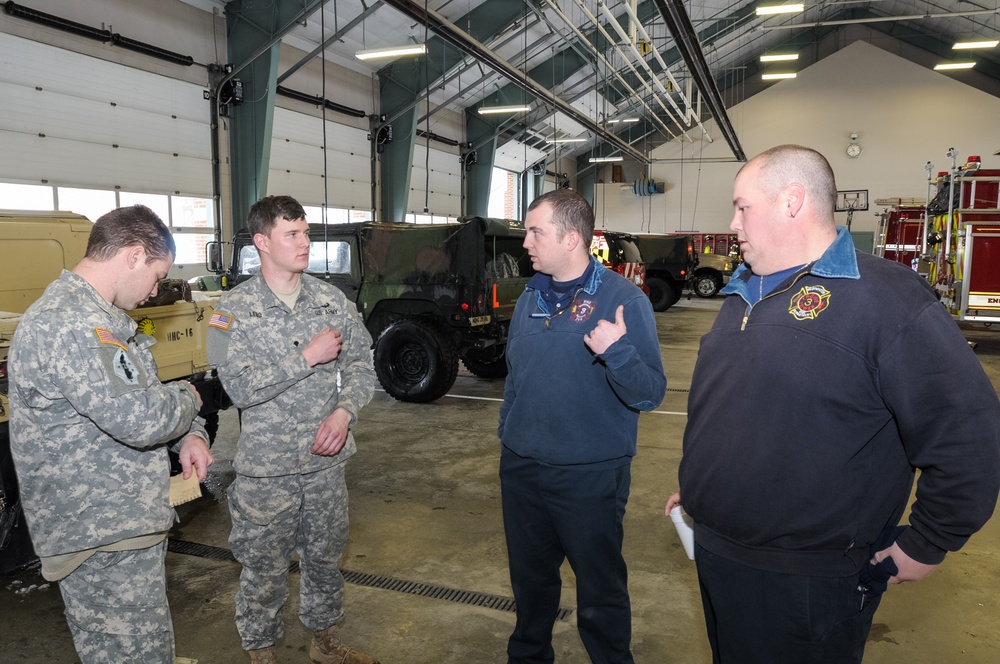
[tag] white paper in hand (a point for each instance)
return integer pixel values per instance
(682, 522)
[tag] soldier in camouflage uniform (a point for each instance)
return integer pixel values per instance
(294, 356)
(89, 426)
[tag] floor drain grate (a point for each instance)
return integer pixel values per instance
(469, 597)
(200, 550)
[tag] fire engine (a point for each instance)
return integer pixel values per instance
(953, 239)
(900, 231)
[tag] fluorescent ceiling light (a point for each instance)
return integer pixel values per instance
(954, 65)
(601, 160)
(976, 44)
(489, 110)
(779, 57)
(391, 52)
(769, 10)
(624, 121)
(565, 140)
(775, 77)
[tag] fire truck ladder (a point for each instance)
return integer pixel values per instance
(894, 243)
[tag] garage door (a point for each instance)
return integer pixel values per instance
(76, 120)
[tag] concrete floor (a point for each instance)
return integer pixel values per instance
(425, 508)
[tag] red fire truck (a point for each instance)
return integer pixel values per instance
(900, 231)
(962, 238)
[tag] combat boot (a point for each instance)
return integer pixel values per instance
(263, 656)
(327, 648)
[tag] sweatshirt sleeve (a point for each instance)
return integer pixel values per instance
(633, 363)
(949, 420)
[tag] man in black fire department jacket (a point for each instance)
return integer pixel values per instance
(851, 376)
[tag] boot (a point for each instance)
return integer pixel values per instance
(263, 656)
(327, 648)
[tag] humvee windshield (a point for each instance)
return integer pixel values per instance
(335, 255)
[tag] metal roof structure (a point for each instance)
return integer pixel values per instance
(606, 78)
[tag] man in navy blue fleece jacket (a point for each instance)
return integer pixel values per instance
(852, 375)
(584, 360)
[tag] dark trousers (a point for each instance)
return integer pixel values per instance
(759, 617)
(550, 515)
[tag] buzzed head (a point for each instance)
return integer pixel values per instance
(783, 208)
(785, 164)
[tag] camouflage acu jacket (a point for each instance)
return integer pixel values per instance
(255, 342)
(89, 422)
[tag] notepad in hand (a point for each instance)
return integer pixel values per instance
(184, 490)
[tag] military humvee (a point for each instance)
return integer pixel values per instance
(430, 295)
(712, 274)
(669, 260)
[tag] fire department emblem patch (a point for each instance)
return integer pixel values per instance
(581, 311)
(809, 302)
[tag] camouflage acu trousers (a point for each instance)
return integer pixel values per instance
(116, 607)
(272, 518)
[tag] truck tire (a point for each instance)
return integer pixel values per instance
(415, 360)
(706, 285)
(663, 294)
(489, 362)
(16, 548)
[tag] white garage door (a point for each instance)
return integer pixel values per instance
(435, 183)
(73, 120)
(296, 167)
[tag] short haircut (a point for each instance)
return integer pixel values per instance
(784, 164)
(570, 212)
(264, 214)
(127, 227)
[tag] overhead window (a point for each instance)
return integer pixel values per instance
(504, 195)
(91, 203)
(26, 196)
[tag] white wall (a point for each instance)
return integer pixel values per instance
(904, 114)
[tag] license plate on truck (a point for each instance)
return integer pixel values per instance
(476, 321)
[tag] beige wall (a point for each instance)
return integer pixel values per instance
(904, 114)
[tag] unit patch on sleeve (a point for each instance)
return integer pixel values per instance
(220, 320)
(124, 368)
(809, 302)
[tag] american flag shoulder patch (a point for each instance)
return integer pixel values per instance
(220, 320)
(108, 337)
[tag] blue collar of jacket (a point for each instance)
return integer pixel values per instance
(541, 282)
(839, 261)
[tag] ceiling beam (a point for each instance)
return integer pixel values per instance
(463, 41)
(684, 35)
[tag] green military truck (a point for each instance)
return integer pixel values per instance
(34, 248)
(670, 261)
(430, 295)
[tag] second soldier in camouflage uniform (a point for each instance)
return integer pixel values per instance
(294, 356)
(89, 423)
